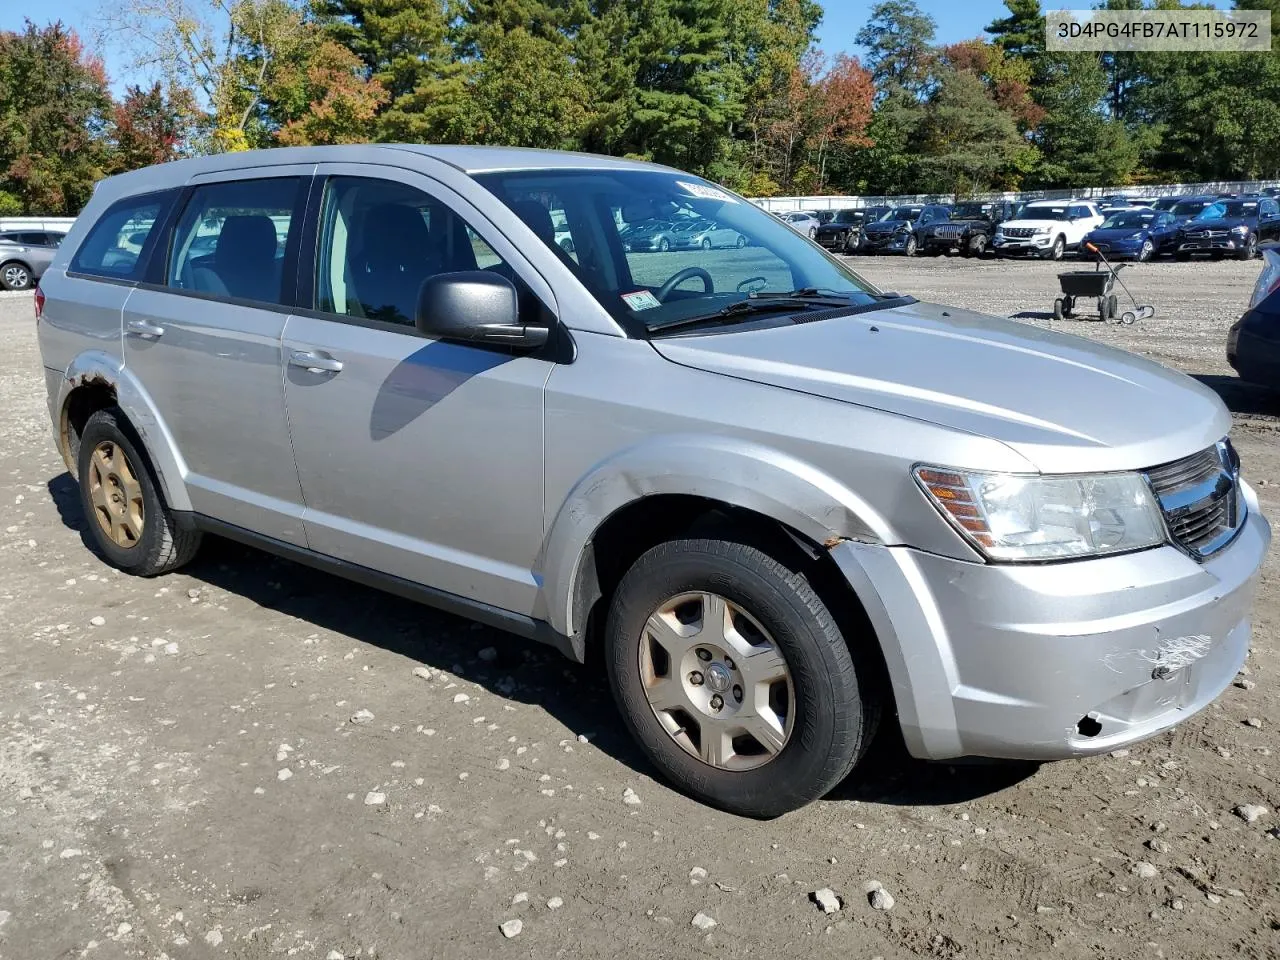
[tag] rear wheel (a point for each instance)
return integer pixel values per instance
(128, 519)
(15, 276)
(734, 678)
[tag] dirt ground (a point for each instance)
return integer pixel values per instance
(186, 769)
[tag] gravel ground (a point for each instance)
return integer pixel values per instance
(251, 759)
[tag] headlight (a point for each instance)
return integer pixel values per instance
(1041, 231)
(1240, 229)
(1009, 517)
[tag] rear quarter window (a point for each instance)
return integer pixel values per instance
(115, 245)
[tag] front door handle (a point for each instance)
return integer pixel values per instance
(142, 328)
(314, 362)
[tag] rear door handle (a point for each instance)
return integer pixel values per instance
(141, 328)
(314, 362)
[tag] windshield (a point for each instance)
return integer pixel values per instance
(848, 216)
(1211, 211)
(1189, 208)
(1135, 219)
(903, 213)
(1241, 208)
(970, 211)
(1047, 212)
(648, 278)
(1165, 203)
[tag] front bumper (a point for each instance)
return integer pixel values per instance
(1115, 249)
(1044, 662)
(891, 242)
(835, 241)
(1210, 244)
(1022, 245)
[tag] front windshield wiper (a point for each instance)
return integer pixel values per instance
(756, 303)
(804, 293)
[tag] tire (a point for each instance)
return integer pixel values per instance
(15, 275)
(664, 245)
(566, 245)
(159, 543)
(1058, 313)
(1056, 251)
(1250, 248)
(910, 249)
(1147, 252)
(978, 246)
(706, 243)
(813, 232)
(741, 241)
(829, 715)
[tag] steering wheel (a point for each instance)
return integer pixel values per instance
(680, 277)
(749, 284)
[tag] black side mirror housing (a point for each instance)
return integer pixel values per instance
(475, 306)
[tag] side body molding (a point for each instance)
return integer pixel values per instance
(98, 367)
(737, 472)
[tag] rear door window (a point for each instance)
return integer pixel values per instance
(114, 247)
(231, 238)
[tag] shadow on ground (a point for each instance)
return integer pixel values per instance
(1240, 396)
(575, 694)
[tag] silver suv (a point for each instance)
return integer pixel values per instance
(778, 501)
(25, 255)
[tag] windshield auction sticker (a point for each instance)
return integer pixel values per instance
(641, 300)
(1169, 30)
(705, 192)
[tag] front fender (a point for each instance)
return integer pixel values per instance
(735, 472)
(98, 367)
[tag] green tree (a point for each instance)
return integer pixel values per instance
(150, 126)
(967, 142)
(899, 42)
(54, 110)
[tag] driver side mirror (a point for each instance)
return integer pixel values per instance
(475, 306)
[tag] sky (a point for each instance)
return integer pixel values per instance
(956, 19)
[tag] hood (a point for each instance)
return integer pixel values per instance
(1038, 224)
(1066, 404)
(888, 226)
(966, 222)
(833, 226)
(1116, 233)
(1224, 223)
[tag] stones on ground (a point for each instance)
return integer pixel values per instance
(521, 897)
(282, 752)
(1212, 897)
(488, 654)
(877, 895)
(512, 928)
(702, 921)
(71, 853)
(460, 698)
(334, 955)
(1145, 870)
(214, 937)
(1244, 683)
(284, 774)
(1158, 845)
(630, 797)
(1253, 722)
(423, 673)
(1250, 812)
(697, 875)
(362, 716)
(98, 621)
(504, 764)
(826, 900)
(374, 798)
(555, 903)
(1119, 754)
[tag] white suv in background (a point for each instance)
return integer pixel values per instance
(1047, 228)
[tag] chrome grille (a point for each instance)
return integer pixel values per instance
(1020, 232)
(1200, 498)
(948, 232)
(1206, 234)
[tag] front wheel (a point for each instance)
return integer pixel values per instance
(1056, 251)
(706, 243)
(1148, 250)
(909, 249)
(734, 678)
(15, 276)
(1249, 250)
(664, 245)
(978, 246)
(813, 232)
(740, 242)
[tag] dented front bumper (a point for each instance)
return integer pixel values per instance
(1049, 661)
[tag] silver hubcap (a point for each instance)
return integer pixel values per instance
(716, 681)
(15, 276)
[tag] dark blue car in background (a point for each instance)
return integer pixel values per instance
(1253, 342)
(1139, 234)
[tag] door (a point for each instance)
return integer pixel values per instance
(1268, 221)
(205, 344)
(417, 457)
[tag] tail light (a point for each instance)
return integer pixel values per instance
(1268, 280)
(39, 303)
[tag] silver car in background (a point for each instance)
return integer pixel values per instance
(781, 504)
(802, 222)
(25, 255)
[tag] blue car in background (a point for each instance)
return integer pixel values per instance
(1140, 234)
(1253, 342)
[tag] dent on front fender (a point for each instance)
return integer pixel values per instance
(95, 367)
(737, 473)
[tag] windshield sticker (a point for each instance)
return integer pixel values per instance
(641, 300)
(705, 192)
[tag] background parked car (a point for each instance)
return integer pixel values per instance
(844, 232)
(1253, 342)
(648, 235)
(706, 234)
(970, 229)
(25, 255)
(1047, 228)
(1188, 207)
(896, 231)
(803, 222)
(1230, 226)
(1139, 232)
